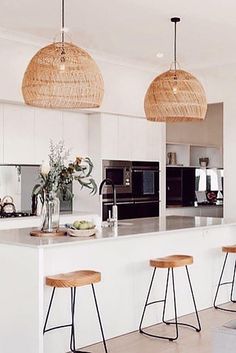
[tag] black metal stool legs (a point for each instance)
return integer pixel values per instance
(194, 303)
(146, 302)
(175, 322)
(220, 283)
(49, 309)
(72, 325)
(99, 318)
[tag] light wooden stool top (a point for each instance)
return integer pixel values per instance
(73, 279)
(229, 248)
(172, 261)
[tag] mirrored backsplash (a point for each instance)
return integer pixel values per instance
(17, 182)
(16, 185)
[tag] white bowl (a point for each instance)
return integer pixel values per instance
(81, 232)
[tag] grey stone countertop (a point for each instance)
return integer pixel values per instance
(126, 228)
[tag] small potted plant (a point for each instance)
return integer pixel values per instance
(54, 180)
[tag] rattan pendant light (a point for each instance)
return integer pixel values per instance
(62, 75)
(175, 95)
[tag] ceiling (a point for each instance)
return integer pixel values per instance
(134, 30)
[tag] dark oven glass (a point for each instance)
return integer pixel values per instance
(116, 175)
(145, 183)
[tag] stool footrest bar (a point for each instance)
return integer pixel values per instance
(182, 324)
(156, 301)
(57, 327)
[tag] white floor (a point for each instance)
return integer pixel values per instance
(189, 341)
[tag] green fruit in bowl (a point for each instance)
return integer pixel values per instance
(91, 225)
(84, 226)
(76, 224)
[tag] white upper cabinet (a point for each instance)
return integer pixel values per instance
(19, 146)
(155, 140)
(129, 138)
(75, 134)
(125, 126)
(48, 126)
(138, 136)
(109, 137)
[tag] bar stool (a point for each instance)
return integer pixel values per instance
(73, 280)
(231, 249)
(169, 263)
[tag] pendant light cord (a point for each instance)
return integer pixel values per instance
(175, 38)
(63, 21)
(175, 20)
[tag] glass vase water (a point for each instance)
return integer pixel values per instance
(50, 215)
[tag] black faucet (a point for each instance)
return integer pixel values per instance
(110, 182)
(114, 206)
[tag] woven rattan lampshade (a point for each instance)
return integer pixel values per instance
(175, 96)
(62, 75)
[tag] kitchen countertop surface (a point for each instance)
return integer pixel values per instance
(126, 228)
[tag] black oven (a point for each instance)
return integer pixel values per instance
(137, 187)
(145, 180)
(120, 173)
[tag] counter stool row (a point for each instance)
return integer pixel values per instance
(72, 280)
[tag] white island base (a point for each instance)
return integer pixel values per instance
(123, 258)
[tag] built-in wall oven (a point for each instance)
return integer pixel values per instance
(120, 173)
(140, 198)
(145, 180)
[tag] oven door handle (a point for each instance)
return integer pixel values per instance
(150, 201)
(119, 203)
(145, 170)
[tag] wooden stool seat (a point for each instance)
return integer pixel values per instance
(229, 248)
(172, 261)
(73, 279)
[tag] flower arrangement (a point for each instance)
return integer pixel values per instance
(57, 175)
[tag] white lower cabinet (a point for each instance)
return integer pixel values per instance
(19, 143)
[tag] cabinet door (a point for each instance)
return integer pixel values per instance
(19, 146)
(48, 126)
(75, 134)
(125, 126)
(109, 138)
(154, 144)
(138, 134)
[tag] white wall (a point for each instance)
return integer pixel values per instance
(125, 86)
(206, 132)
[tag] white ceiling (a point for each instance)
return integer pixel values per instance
(134, 30)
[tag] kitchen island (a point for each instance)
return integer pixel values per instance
(122, 256)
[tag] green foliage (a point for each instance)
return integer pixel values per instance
(61, 176)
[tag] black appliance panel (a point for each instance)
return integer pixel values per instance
(145, 180)
(120, 173)
(133, 209)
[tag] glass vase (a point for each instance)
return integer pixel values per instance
(50, 214)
